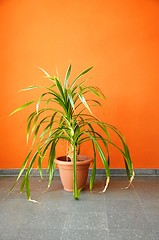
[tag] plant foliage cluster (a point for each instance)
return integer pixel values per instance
(63, 111)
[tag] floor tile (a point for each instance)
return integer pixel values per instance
(132, 235)
(36, 234)
(85, 234)
(126, 219)
(91, 220)
(117, 214)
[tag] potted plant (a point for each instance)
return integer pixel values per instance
(64, 111)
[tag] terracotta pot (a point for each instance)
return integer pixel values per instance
(66, 171)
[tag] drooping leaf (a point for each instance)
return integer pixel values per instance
(96, 91)
(27, 183)
(83, 100)
(93, 175)
(102, 155)
(51, 163)
(21, 107)
(24, 165)
(23, 184)
(40, 168)
(39, 101)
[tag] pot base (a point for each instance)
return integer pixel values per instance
(71, 189)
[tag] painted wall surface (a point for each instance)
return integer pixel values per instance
(119, 38)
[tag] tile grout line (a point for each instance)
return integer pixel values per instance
(63, 229)
(150, 223)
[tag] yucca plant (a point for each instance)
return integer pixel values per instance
(64, 111)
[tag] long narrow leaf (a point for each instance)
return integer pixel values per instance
(39, 101)
(51, 164)
(83, 100)
(95, 90)
(22, 169)
(93, 175)
(22, 184)
(46, 73)
(30, 88)
(40, 167)
(67, 76)
(103, 158)
(21, 107)
(27, 183)
(60, 88)
(80, 75)
(24, 165)
(70, 98)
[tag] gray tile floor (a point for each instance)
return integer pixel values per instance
(118, 214)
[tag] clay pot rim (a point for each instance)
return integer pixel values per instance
(86, 160)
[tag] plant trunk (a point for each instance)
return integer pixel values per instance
(70, 152)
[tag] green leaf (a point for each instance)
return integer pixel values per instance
(67, 76)
(37, 130)
(40, 166)
(70, 98)
(83, 100)
(51, 163)
(125, 153)
(60, 88)
(22, 184)
(21, 107)
(51, 173)
(80, 75)
(93, 175)
(27, 183)
(39, 101)
(102, 155)
(96, 91)
(29, 88)
(24, 165)
(29, 121)
(46, 73)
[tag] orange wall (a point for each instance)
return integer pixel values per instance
(121, 40)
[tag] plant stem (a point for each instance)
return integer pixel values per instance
(70, 152)
(76, 192)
